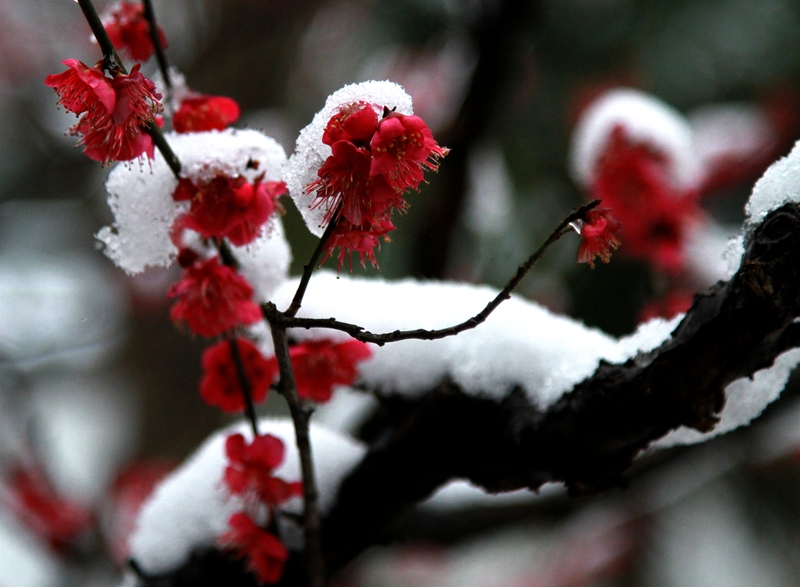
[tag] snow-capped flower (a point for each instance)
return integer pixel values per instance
(355, 160)
(403, 148)
(199, 113)
(321, 364)
(598, 236)
(632, 179)
(228, 207)
(115, 110)
(220, 384)
(213, 298)
(265, 553)
(129, 30)
(249, 472)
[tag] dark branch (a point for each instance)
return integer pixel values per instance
(161, 57)
(112, 60)
(114, 63)
(315, 567)
(358, 332)
(309, 267)
(590, 437)
(244, 383)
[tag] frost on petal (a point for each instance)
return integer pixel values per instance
(645, 120)
(311, 153)
(141, 198)
(191, 508)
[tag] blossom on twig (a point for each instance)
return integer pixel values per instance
(213, 298)
(598, 232)
(265, 553)
(229, 207)
(199, 113)
(249, 473)
(115, 110)
(319, 365)
(372, 163)
(220, 385)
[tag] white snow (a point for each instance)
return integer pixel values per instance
(647, 120)
(746, 399)
(191, 507)
(706, 248)
(779, 185)
(141, 197)
(310, 152)
(521, 343)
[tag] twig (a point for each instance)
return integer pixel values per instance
(169, 155)
(161, 57)
(359, 333)
(244, 383)
(309, 267)
(106, 46)
(311, 522)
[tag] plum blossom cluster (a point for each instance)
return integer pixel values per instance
(372, 163)
(354, 162)
(249, 474)
(114, 111)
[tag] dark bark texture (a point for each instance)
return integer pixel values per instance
(590, 437)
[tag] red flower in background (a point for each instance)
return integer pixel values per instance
(633, 180)
(598, 236)
(672, 304)
(129, 30)
(220, 385)
(115, 110)
(229, 207)
(321, 364)
(250, 470)
(265, 554)
(403, 147)
(38, 506)
(203, 113)
(213, 298)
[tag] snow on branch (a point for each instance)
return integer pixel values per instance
(589, 436)
(191, 508)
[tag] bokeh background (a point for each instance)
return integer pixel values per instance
(96, 382)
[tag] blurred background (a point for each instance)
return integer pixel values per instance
(98, 390)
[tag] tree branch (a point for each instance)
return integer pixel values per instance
(309, 267)
(161, 57)
(591, 436)
(311, 520)
(359, 333)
